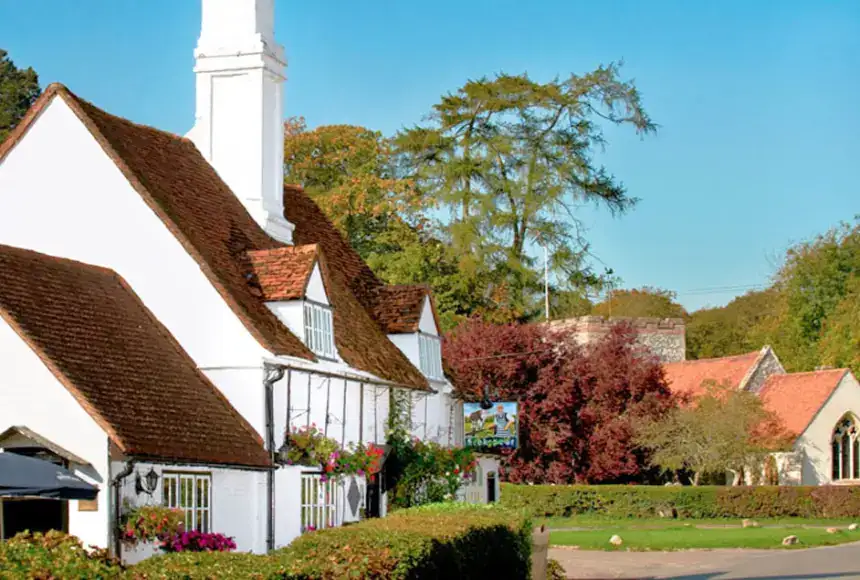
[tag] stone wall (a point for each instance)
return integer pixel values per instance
(665, 337)
(768, 365)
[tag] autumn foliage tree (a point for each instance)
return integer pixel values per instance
(640, 302)
(578, 406)
(724, 430)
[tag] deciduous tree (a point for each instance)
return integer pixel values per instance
(19, 88)
(509, 160)
(642, 302)
(578, 406)
(724, 430)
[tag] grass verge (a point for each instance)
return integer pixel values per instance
(659, 535)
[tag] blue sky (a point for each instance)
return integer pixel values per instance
(757, 101)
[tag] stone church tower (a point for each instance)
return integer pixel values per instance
(665, 337)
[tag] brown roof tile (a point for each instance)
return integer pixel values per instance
(351, 287)
(398, 308)
(687, 377)
(187, 194)
(183, 189)
(796, 398)
(120, 363)
(283, 273)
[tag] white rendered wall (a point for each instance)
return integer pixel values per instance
(30, 396)
(238, 499)
(814, 443)
(312, 396)
(427, 323)
(60, 194)
(316, 288)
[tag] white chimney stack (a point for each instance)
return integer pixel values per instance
(239, 122)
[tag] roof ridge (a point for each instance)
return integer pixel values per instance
(839, 370)
(716, 358)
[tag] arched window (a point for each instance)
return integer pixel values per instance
(846, 450)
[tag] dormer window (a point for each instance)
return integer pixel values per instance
(319, 329)
(430, 356)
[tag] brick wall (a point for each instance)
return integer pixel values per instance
(665, 337)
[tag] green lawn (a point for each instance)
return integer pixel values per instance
(594, 533)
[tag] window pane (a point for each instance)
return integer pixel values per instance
(836, 459)
(855, 471)
(845, 448)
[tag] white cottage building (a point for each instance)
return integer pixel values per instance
(191, 309)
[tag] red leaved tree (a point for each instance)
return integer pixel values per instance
(578, 405)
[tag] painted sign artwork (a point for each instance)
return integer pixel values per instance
(492, 429)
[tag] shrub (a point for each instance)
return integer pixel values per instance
(53, 555)
(635, 501)
(555, 571)
(435, 541)
(207, 565)
(151, 523)
(195, 541)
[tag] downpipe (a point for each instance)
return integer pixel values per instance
(273, 375)
(116, 483)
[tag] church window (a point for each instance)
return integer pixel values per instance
(430, 356)
(845, 450)
(319, 329)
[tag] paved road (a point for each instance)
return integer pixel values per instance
(837, 562)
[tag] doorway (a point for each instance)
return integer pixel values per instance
(491, 487)
(35, 515)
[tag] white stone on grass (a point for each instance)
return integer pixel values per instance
(616, 540)
(790, 541)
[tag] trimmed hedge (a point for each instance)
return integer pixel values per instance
(640, 501)
(53, 555)
(437, 541)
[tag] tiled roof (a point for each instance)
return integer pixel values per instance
(350, 286)
(687, 377)
(187, 194)
(282, 273)
(121, 364)
(398, 308)
(796, 398)
(183, 189)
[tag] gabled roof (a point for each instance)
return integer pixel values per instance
(796, 398)
(687, 377)
(187, 194)
(283, 273)
(213, 226)
(398, 308)
(122, 365)
(21, 432)
(351, 286)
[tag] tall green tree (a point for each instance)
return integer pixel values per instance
(731, 329)
(815, 279)
(19, 88)
(840, 340)
(641, 302)
(508, 161)
(348, 171)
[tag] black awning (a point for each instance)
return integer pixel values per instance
(22, 476)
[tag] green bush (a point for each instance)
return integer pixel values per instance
(436, 541)
(53, 555)
(206, 565)
(640, 501)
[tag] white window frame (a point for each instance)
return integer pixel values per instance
(319, 329)
(430, 356)
(197, 500)
(320, 502)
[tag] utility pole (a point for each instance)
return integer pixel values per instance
(546, 279)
